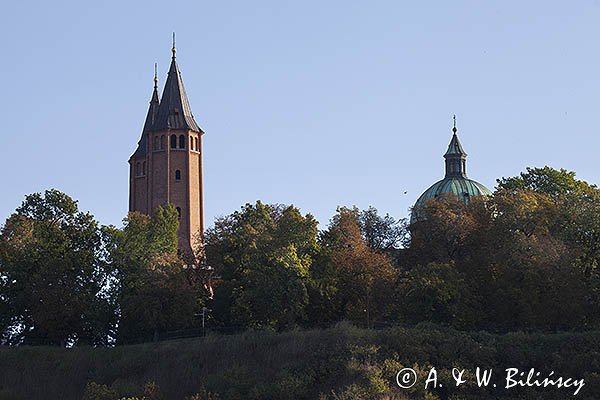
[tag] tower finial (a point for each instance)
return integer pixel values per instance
(174, 50)
(454, 120)
(155, 77)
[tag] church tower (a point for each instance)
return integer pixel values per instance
(166, 167)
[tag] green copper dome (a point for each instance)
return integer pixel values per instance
(455, 182)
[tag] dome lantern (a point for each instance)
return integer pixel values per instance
(455, 181)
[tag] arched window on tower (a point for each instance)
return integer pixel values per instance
(155, 144)
(144, 168)
(137, 169)
(177, 175)
(191, 143)
(196, 144)
(178, 212)
(162, 142)
(182, 142)
(173, 141)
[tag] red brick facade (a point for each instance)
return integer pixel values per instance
(166, 168)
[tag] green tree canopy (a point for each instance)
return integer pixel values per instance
(55, 284)
(262, 255)
(546, 180)
(157, 292)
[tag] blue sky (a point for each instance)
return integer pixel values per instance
(313, 103)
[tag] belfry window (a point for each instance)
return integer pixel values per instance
(197, 147)
(155, 145)
(177, 175)
(162, 142)
(144, 168)
(182, 142)
(173, 141)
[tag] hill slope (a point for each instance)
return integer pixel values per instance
(338, 363)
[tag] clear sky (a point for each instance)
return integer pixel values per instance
(314, 103)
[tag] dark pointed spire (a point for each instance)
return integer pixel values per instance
(456, 164)
(150, 118)
(174, 111)
(154, 105)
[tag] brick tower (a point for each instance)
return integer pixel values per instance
(167, 164)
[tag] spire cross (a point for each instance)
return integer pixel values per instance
(454, 120)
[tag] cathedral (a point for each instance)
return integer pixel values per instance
(166, 167)
(454, 183)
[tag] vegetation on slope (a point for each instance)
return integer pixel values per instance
(339, 363)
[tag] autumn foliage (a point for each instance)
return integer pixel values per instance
(525, 258)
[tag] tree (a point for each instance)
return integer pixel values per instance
(157, 292)
(435, 292)
(381, 233)
(55, 284)
(501, 263)
(543, 180)
(356, 281)
(444, 231)
(262, 255)
(578, 217)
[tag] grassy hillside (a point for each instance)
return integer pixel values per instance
(338, 363)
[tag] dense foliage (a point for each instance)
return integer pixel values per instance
(54, 285)
(157, 291)
(262, 255)
(277, 271)
(525, 258)
(66, 280)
